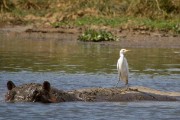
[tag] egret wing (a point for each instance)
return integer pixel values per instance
(124, 71)
(119, 65)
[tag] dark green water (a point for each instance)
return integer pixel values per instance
(69, 64)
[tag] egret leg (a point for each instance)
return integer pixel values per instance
(117, 83)
(127, 86)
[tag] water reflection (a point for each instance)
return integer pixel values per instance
(71, 56)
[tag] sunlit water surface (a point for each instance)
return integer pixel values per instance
(68, 64)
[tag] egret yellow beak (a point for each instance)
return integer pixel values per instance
(128, 50)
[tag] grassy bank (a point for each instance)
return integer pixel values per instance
(124, 22)
(136, 14)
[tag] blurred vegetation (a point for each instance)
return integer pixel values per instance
(97, 36)
(154, 14)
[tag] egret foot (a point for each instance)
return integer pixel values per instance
(127, 87)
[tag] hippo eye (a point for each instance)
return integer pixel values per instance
(36, 96)
(35, 92)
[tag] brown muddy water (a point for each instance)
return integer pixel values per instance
(70, 64)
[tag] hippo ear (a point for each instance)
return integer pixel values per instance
(46, 86)
(10, 85)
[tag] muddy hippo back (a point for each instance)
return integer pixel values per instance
(35, 92)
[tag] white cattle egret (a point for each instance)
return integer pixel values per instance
(122, 67)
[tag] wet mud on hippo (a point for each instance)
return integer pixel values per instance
(35, 92)
(125, 94)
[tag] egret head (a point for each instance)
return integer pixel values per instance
(122, 51)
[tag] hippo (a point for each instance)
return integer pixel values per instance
(44, 93)
(35, 92)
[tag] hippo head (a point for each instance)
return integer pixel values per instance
(33, 92)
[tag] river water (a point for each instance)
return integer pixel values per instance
(69, 64)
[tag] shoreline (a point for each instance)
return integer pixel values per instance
(127, 38)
